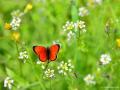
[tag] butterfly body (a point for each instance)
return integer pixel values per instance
(49, 53)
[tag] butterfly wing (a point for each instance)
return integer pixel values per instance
(53, 50)
(41, 52)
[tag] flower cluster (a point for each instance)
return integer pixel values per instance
(68, 26)
(70, 35)
(16, 18)
(105, 59)
(83, 11)
(99, 2)
(15, 23)
(89, 79)
(65, 67)
(94, 2)
(49, 73)
(17, 13)
(80, 25)
(23, 56)
(72, 27)
(8, 82)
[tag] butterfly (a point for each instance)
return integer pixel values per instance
(49, 53)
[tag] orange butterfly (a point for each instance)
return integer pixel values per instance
(49, 53)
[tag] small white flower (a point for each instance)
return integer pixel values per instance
(23, 56)
(65, 67)
(8, 82)
(68, 26)
(49, 73)
(83, 11)
(105, 59)
(89, 79)
(70, 35)
(17, 13)
(80, 24)
(94, 2)
(15, 23)
(99, 2)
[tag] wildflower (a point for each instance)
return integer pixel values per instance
(28, 7)
(16, 36)
(83, 11)
(99, 2)
(94, 2)
(15, 23)
(89, 79)
(118, 42)
(17, 13)
(23, 56)
(80, 25)
(70, 35)
(105, 59)
(41, 63)
(65, 67)
(8, 82)
(68, 26)
(7, 26)
(49, 73)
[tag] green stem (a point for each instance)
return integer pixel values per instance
(20, 65)
(33, 85)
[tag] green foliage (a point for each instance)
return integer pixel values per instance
(42, 25)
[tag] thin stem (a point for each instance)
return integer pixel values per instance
(47, 65)
(20, 66)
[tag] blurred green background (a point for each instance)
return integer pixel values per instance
(42, 25)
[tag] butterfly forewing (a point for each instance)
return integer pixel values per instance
(41, 52)
(53, 50)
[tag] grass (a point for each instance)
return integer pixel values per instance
(42, 25)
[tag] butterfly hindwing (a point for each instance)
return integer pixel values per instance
(53, 50)
(41, 52)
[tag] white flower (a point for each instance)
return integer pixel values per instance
(70, 35)
(83, 11)
(89, 79)
(65, 67)
(49, 73)
(41, 63)
(105, 59)
(68, 26)
(80, 25)
(94, 2)
(15, 23)
(8, 82)
(17, 13)
(99, 2)
(23, 56)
